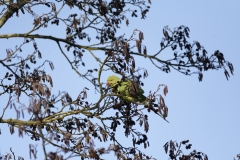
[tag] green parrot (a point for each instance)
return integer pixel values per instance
(128, 90)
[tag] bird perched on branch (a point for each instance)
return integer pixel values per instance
(129, 90)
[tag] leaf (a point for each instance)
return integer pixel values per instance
(198, 45)
(127, 22)
(166, 147)
(133, 63)
(89, 39)
(165, 33)
(41, 89)
(22, 10)
(90, 11)
(134, 141)
(165, 114)
(226, 74)
(69, 4)
(51, 65)
(78, 124)
(17, 13)
(141, 36)
(125, 51)
(35, 46)
(165, 90)
(145, 50)
(11, 129)
(146, 126)
(205, 157)
(230, 66)
(162, 100)
(138, 45)
(49, 79)
(68, 98)
(200, 76)
(48, 92)
(39, 55)
(145, 74)
(29, 8)
(162, 44)
(53, 7)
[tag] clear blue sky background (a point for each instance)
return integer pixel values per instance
(206, 113)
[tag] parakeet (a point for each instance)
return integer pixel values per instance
(129, 90)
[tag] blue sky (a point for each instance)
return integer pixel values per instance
(206, 113)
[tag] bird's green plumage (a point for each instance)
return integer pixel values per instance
(126, 89)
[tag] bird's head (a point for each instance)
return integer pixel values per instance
(112, 80)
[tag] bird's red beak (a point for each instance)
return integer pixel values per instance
(108, 83)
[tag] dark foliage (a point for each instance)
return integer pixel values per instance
(72, 125)
(176, 152)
